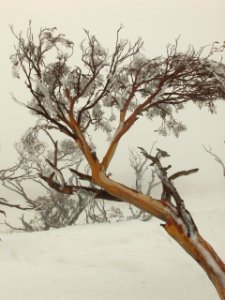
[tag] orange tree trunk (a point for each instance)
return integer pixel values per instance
(202, 252)
(194, 244)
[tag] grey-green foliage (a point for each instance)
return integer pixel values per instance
(55, 210)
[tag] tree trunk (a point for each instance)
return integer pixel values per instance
(193, 243)
(202, 252)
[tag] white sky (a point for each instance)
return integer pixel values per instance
(158, 23)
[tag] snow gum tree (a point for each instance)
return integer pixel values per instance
(110, 92)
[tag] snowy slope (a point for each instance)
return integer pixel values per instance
(123, 261)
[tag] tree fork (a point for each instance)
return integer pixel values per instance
(147, 203)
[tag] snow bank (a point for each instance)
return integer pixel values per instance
(122, 261)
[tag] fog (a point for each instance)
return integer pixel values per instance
(158, 22)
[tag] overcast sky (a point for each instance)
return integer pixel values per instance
(158, 22)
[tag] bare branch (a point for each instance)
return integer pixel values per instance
(216, 157)
(169, 189)
(183, 173)
(2, 202)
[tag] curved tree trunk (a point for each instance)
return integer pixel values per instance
(175, 226)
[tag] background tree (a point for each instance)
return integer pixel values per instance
(110, 92)
(52, 209)
(216, 157)
(38, 151)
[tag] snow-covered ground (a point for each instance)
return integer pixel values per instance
(123, 261)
